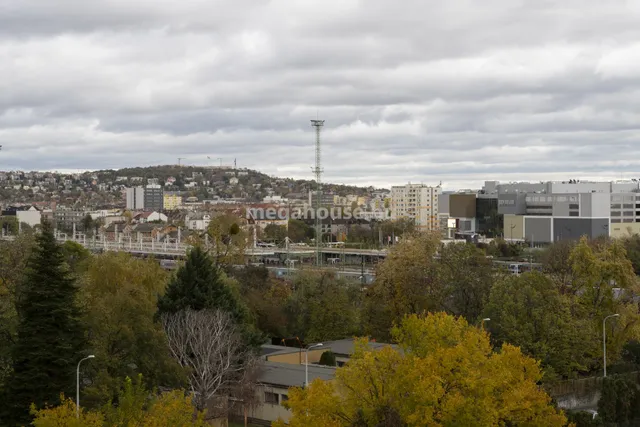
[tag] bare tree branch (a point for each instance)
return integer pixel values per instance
(209, 345)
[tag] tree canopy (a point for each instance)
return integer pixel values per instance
(443, 373)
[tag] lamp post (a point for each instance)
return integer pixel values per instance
(91, 356)
(604, 340)
(511, 235)
(306, 363)
(486, 319)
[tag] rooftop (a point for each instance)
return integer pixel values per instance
(289, 375)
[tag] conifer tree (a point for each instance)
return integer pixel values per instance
(50, 339)
(199, 284)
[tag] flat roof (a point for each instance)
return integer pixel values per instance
(293, 375)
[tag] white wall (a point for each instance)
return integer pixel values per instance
(30, 217)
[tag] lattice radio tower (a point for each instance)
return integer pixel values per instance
(318, 172)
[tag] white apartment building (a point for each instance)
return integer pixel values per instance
(418, 202)
(135, 198)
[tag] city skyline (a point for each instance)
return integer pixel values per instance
(416, 92)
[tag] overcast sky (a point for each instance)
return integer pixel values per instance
(458, 91)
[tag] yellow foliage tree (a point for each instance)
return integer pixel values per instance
(442, 373)
(65, 415)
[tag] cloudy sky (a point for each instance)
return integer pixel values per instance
(457, 91)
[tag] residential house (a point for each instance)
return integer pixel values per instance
(197, 220)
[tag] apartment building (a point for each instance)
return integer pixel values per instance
(135, 198)
(172, 201)
(418, 202)
(149, 198)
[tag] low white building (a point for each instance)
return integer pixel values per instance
(197, 221)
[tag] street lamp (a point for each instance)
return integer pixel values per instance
(91, 356)
(306, 363)
(486, 319)
(604, 340)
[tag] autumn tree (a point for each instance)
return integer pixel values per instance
(406, 282)
(444, 373)
(227, 240)
(135, 405)
(50, 337)
(275, 232)
(530, 312)
(119, 297)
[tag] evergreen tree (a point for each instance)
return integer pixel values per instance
(199, 284)
(50, 338)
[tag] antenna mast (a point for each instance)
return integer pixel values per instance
(318, 124)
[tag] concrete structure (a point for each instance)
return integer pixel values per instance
(135, 198)
(567, 210)
(418, 202)
(172, 201)
(24, 215)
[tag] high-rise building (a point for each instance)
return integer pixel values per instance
(154, 198)
(135, 198)
(418, 202)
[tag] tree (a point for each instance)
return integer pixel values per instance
(120, 295)
(322, 308)
(209, 345)
(14, 255)
(228, 241)
(200, 284)
(407, 282)
(65, 415)
(299, 231)
(50, 337)
(76, 256)
(328, 358)
(556, 261)
(631, 245)
(275, 232)
(467, 276)
(620, 400)
(529, 311)
(135, 406)
(87, 225)
(443, 374)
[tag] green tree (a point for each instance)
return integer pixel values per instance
(443, 374)
(200, 284)
(529, 311)
(14, 255)
(76, 256)
(328, 358)
(323, 308)
(467, 276)
(275, 232)
(120, 295)
(50, 338)
(631, 244)
(299, 231)
(620, 401)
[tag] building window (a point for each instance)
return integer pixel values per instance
(283, 398)
(272, 398)
(574, 214)
(627, 206)
(615, 213)
(617, 220)
(615, 206)
(573, 206)
(627, 220)
(627, 213)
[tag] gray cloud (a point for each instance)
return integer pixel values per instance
(411, 91)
